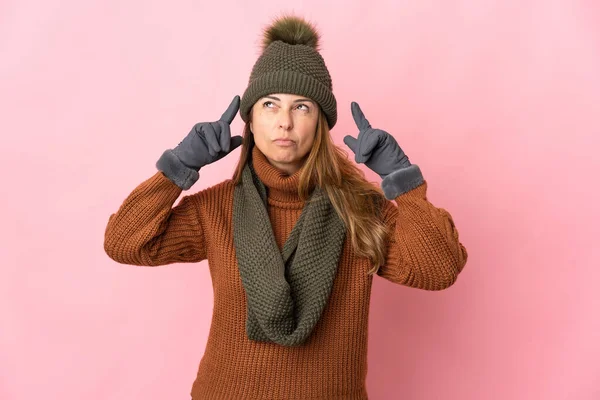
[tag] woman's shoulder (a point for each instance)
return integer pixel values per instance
(214, 202)
(217, 192)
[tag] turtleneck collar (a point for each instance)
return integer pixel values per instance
(280, 186)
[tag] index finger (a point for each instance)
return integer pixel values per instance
(231, 111)
(359, 117)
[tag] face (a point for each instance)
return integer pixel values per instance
(284, 127)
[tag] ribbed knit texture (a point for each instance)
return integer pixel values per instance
(290, 68)
(424, 252)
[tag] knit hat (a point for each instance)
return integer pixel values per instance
(290, 63)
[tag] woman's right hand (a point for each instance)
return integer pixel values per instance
(208, 142)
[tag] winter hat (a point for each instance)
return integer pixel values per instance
(290, 63)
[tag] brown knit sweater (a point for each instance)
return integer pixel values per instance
(424, 252)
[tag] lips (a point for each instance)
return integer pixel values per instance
(284, 142)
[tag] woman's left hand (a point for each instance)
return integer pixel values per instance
(376, 148)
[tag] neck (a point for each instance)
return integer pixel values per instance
(282, 185)
(287, 169)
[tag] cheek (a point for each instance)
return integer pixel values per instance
(260, 132)
(309, 132)
(261, 121)
(258, 126)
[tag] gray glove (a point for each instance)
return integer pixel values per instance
(379, 151)
(206, 143)
(376, 148)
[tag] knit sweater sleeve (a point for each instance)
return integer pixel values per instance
(147, 231)
(424, 250)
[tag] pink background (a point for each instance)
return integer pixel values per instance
(497, 101)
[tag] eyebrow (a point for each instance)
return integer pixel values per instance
(295, 101)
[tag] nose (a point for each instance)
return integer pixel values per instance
(285, 120)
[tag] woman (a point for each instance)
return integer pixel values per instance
(294, 238)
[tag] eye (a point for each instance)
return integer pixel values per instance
(306, 108)
(267, 102)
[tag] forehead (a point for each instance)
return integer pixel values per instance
(286, 97)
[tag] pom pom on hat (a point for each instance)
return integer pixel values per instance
(292, 30)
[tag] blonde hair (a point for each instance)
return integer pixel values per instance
(358, 202)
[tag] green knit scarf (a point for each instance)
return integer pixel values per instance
(286, 291)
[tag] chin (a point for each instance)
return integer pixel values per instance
(283, 158)
(283, 153)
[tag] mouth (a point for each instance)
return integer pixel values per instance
(283, 142)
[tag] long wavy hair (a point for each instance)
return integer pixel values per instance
(358, 202)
